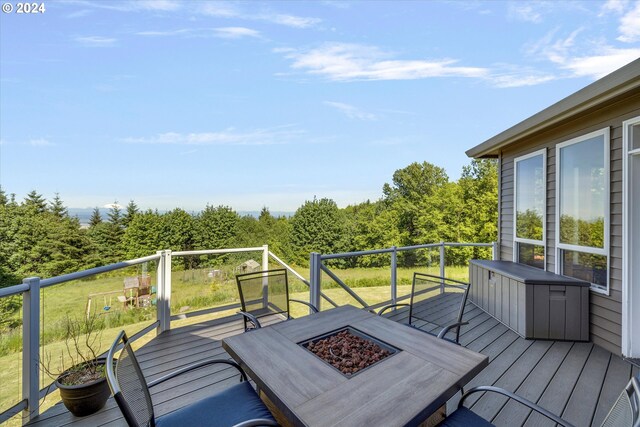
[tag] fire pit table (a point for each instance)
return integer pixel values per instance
(304, 369)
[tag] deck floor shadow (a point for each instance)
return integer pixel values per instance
(579, 381)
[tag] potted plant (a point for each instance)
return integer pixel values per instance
(81, 377)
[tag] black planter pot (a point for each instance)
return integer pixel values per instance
(84, 399)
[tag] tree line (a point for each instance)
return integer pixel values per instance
(420, 205)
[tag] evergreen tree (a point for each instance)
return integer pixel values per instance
(115, 215)
(35, 202)
(58, 208)
(3, 197)
(132, 210)
(96, 218)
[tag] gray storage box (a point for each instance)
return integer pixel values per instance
(533, 303)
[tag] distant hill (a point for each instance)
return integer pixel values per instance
(84, 214)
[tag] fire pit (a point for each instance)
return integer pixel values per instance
(349, 350)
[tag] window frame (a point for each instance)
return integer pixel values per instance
(516, 239)
(606, 134)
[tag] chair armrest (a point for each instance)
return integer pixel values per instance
(446, 329)
(387, 307)
(257, 422)
(519, 399)
(251, 318)
(197, 366)
(311, 306)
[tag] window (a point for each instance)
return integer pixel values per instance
(582, 209)
(529, 230)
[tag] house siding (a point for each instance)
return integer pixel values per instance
(605, 310)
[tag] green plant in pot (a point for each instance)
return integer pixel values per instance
(81, 377)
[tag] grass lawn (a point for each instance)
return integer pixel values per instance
(191, 290)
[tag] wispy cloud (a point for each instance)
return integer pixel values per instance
(350, 111)
(221, 32)
(524, 12)
(231, 10)
(354, 62)
(131, 5)
(508, 76)
(96, 41)
(347, 62)
(579, 58)
(235, 32)
(165, 5)
(616, 6)
(630, 25)
(167, 33)
(40, 142)
(270, 136)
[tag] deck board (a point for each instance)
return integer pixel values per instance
(578, 380)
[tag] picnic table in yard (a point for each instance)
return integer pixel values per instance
(404, 389)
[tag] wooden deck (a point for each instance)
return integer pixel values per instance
(579, 381)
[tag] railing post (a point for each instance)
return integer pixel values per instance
(442, 272)
(314, 280)
(30, 348)
(495, 251)
(394, 275)
(164, 292)
(265, 279)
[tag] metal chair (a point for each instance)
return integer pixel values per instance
(432, 301)
(624, 413)
(263, 293)
(237, 406)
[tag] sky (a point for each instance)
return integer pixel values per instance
(251, 104)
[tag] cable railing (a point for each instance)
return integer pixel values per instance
(32, 328)
(317, 267)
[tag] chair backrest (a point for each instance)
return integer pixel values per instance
(128, 386)
(434, 299)
(264, 292)
(626, 410)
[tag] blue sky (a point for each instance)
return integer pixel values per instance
(250, 104)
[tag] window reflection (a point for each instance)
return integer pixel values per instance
(532, 255)
(530, 198)
(588, 267)
(582, 193)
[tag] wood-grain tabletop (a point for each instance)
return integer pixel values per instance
(401, 390)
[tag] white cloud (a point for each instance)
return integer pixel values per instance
(350, 111)
(630, 25)
(221, 32)
(519, 79)
(599, 65)
(583, 58)
(272, 136)
(235, 32)
(290, 20)
(40, 142)
(347, 62)
(230, 10)
(617, 6)
(524, 12)
(167, 33)
(164, 5)
(131, 5)
(96, 41)
(219, 8)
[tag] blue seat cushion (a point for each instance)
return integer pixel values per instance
(464, 417)
(231, 406)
